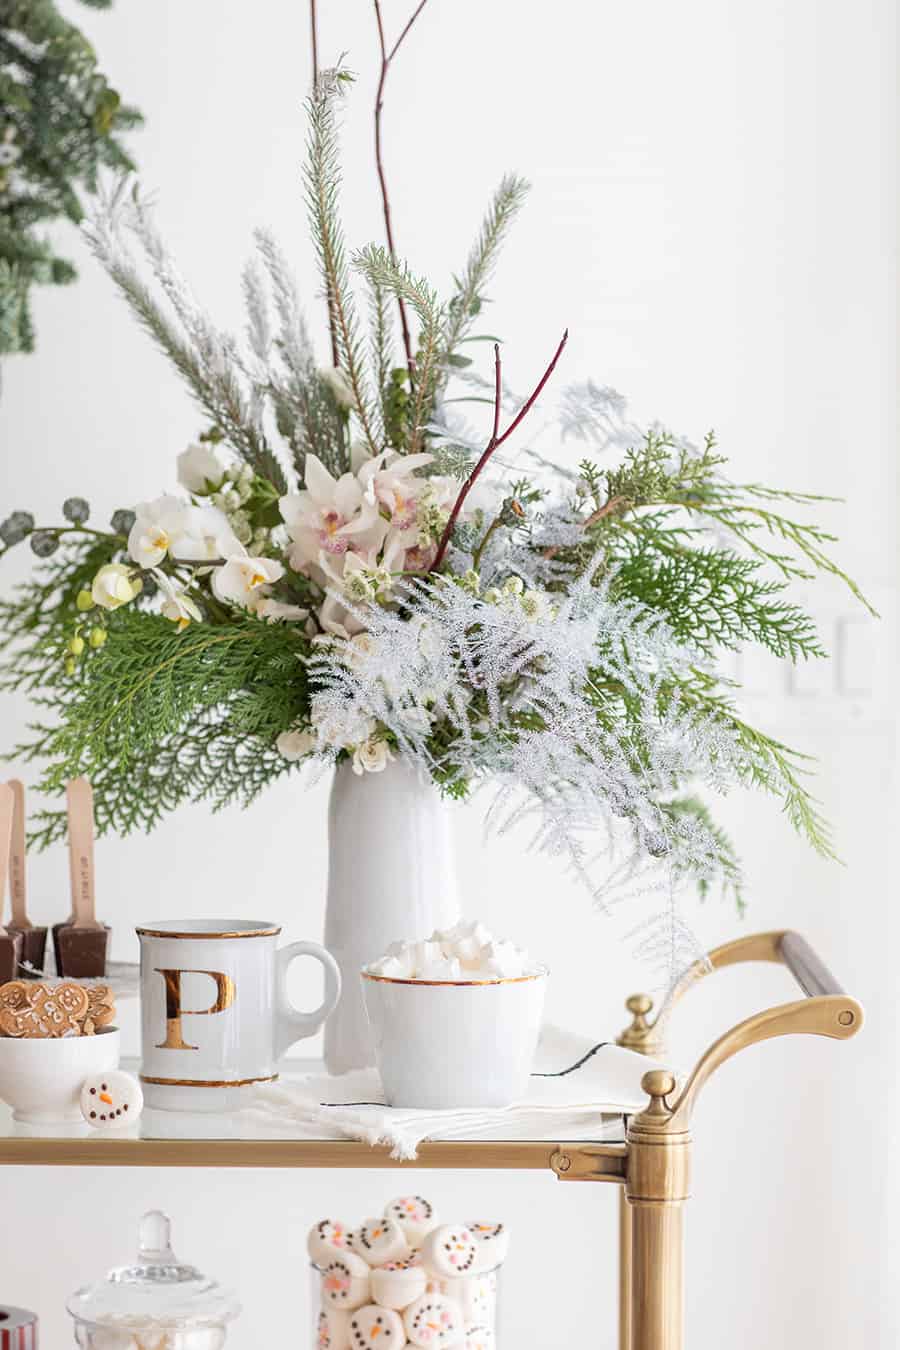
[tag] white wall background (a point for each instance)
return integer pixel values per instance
(713, 216)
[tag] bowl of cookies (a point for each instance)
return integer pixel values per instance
(53, 1036)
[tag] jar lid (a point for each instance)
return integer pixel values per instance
(157, 1290)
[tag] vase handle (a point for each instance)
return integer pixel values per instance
(290, 1023)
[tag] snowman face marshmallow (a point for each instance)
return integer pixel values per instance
(374, 1328)
(111, 1100)
(433, 1322)
(449, 1251)
(493, 1245)
(345, 1282)
(332, 1330)
(398, 1283)
(327, 1240)
(378, 1241)
(415, 1216)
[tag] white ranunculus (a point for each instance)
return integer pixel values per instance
(338, 386)
(199, 470)
(372, 756)
(267, 608)
(114, 586)
(243, 581)
(295, 745)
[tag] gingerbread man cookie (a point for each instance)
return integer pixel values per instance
(42, 1010)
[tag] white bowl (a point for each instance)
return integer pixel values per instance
(41, 1078)
(443, 1045)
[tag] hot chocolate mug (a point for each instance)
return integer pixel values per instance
(215, 1013)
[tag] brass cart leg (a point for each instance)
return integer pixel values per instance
(656, 1187)
(625, 1240)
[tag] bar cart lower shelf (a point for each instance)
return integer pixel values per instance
(651, 1163)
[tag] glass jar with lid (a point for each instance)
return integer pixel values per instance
(157, 1303)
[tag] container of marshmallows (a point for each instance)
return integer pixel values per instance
(455, 1019)
(406, 1280)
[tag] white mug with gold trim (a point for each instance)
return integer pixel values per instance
(215, 1013)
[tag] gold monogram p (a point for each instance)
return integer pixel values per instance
(225, 995)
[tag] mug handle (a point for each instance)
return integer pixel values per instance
(291, 1024)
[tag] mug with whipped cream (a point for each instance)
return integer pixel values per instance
(455, 1019)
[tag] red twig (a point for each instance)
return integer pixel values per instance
(495, 442)
(386, 59)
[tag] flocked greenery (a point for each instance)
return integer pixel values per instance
(60, 121)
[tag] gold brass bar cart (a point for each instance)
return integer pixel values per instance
(652, 1165)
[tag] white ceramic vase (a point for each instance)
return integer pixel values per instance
(391, 877)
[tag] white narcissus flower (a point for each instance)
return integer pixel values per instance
(199, 470)
(242, 580)
(338, 385)
(372, 756)
(177, 604)
(114, 585)
(295, 745)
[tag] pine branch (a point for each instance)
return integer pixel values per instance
(322, 178)
(466, 303)
(383, 272)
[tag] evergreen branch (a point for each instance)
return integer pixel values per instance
(322, 178)
(728, 864)
(383, 272)
(466, 303)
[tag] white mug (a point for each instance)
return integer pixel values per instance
(215, 1015)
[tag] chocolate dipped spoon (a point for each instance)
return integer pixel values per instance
(34, 937)
(82, 943)
(10, 943)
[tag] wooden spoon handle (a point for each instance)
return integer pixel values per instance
(17, 883)
(80, 809)
(7, 810)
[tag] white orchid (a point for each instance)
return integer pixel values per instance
(177, 604)
(200, 471)
(170, 526)
(296, 745)
(114, 585)
(330, 516)
(388, 481)
(244, 581)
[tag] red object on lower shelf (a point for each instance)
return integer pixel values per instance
(18, 1329)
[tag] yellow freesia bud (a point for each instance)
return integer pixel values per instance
(84, 600)
(97, 637)
(76, 646)
(70, 665)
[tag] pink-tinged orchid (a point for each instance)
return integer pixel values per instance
(329, 517)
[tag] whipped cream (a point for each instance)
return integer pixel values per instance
(466, 953)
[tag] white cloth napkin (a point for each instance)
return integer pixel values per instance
(580, 1089)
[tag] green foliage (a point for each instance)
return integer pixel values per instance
(156, 718)
(322, 177)
(59, 124)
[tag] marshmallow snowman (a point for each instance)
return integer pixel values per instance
(333, 1330)
(434, 1321)
(415, 1216)
(327, 1240)
(477, 1298)
(450, 1250)
(379, 1241)
(374, 1328)
(492, 1241)
(345, 1282)
(111, 1100)
(398, 1283)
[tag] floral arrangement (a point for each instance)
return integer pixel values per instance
(351, 573)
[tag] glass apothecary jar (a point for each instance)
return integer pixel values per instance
(157, 1303)
(401, 1304)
